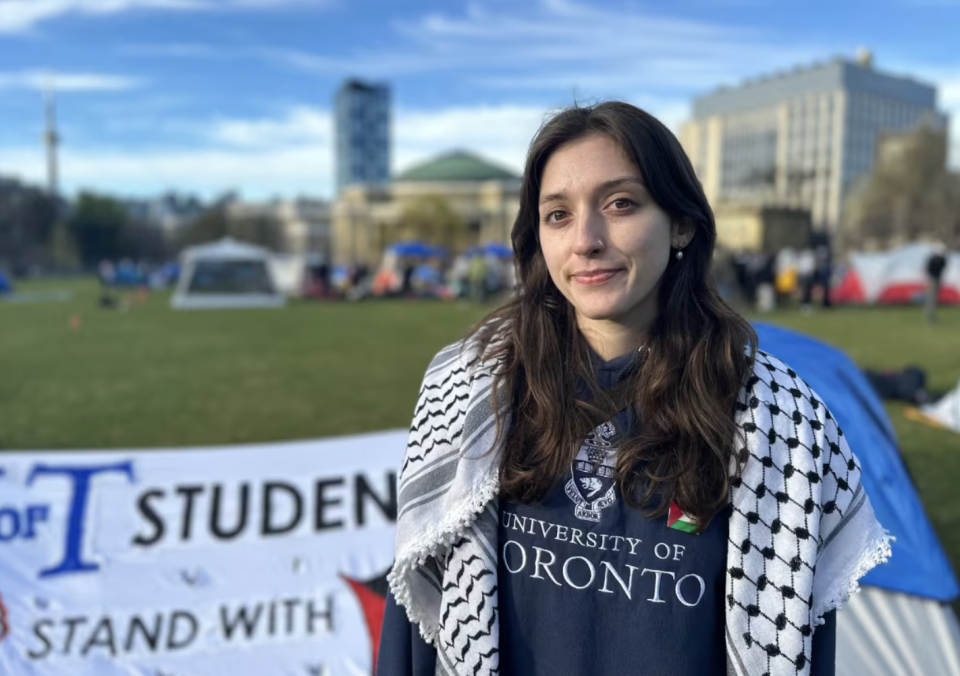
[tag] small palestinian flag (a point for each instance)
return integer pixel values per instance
(677, 519)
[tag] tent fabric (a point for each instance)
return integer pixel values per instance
(5, 285)
(128, 274)
(898, 276)
(417, 249)
(919, 565)
(884, 633)
(224, 249)
(226, 274)
(498, 249)
(946, 411)
(291, 272)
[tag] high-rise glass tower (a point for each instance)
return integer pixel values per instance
(362, 131)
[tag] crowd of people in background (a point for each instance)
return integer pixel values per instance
(127, 283)
(809, 277)
(754, 279)
(413, 270)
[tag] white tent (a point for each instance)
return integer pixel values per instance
(291, 271)
(884, 633)
(898, 276)
(945, 412)
(225, 274)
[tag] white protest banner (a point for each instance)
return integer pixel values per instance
(259, 560)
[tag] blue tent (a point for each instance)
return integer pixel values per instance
(128, 274)
(412, 249)
(919, 565)
(5, 285)
(498, 249)
(171, 272)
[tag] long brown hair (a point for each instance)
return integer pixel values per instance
(697, 355)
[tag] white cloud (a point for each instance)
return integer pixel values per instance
(171, 49)
(290, 153)
(17, 16)
(950, 93)
(269, 4)
(553, 45)
(256, 173)
(65, 82)
(500, 133)
(561, 43)
(950, 101)
(298, 125)
(21, 15)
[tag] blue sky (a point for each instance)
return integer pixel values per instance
(210, 95)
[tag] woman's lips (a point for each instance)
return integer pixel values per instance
(595, 277)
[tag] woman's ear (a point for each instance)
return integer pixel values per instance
(681, 232)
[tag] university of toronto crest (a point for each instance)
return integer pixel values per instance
(592, 487)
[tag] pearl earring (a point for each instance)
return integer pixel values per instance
(679, 254)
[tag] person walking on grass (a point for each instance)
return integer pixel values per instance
(936, 264)
(606, 476)
(806, 276)
(823, 254)
(478, 277)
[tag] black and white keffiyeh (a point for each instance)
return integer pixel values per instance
(802, 531)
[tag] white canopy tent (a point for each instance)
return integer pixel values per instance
(225, 274)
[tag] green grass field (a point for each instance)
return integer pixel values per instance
(154, 377)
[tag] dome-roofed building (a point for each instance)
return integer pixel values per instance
(457, 165)
(456, 200)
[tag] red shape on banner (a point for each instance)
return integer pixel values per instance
(4, 625)
(373, 604)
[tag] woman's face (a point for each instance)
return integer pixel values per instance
(605, 241)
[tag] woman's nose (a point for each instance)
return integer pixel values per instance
(590, 230)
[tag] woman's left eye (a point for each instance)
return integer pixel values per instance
(623, 203)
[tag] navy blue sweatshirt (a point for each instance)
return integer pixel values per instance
(589, 585)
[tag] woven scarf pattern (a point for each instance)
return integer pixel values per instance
(798, 491)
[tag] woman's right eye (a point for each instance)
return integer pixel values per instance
(555, 215)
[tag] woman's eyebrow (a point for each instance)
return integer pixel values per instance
(552, 197)
(606, 186)
(620, 182)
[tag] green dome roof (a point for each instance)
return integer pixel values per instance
(458, 165)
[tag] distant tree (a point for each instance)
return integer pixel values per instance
(909, 195)
(27, 218)
(262, 230)
(210, 225)
(144, 242)
(62, 248)
(431, 219)
(218, 222)
(98, 225)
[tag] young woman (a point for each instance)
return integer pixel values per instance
(607, 476)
